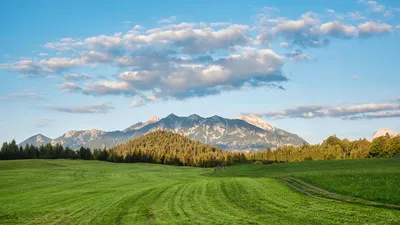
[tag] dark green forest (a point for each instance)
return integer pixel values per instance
(164, 147)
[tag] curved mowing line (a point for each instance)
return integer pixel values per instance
(148, 194)
(319, 193)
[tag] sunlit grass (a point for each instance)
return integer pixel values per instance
(94, 192)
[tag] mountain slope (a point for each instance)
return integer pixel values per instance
(75, 139)
(36, 140)
(246, 133)
(383, 131)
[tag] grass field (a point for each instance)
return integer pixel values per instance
(372, 179)
(94, 192)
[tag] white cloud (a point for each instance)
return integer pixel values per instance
(142, 79)
(284, 45)
(355, 16)
(90, 108)
(179, 26)
(375, 6)
(137, 27)
(109, 88)
(28, 94)
(269, 9)
(74, 76)
(303, 32)
(138, 103)
(170, 19)
(330, 11)
(388, 14)
(190, 40)
(184, 80)
(356, 111)
(44, 67)
(26, 66)
(377, 115)
(298, 55)
(94, 57)
(43, 54)
(372, 28)
(337, 29)
(70, 87)
(355, 77)
(219, 24)
(290, 27)
(104, 42)
(65, 44)
(67, 40)
(57, 64)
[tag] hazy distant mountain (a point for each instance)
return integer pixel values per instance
(36, 140)
(244, 133)
(383, 131)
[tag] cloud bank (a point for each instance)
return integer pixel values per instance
(86, 109)
(180, 60)
(347, 112)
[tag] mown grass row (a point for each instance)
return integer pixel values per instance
(317, 192)
(82, 192)
(369, 179)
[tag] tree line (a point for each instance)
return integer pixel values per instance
(13, 151)
(332, 148)
(164, 147)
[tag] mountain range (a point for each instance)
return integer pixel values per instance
(241, 133)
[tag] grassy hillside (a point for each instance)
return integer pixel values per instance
(371, 179)
(95, 192)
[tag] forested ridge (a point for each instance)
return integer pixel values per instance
(165, 147)
(170, 148)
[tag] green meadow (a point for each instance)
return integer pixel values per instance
(97, 192)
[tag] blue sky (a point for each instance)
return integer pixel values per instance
(315, 69)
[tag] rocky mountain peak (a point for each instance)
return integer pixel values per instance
(139, 125)
(153, 119)
(171, 116)
(383, 131)
(36, 140)
(94, 132)
(194, 117)
(256, 121)
(70, 133)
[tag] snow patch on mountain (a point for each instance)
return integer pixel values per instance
(257, 121)
(39, 138)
